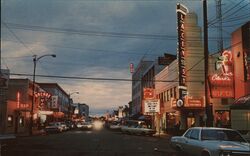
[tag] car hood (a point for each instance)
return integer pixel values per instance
(230, 145)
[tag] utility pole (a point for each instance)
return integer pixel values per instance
(207, 102)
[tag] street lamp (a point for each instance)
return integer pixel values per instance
(35, 59)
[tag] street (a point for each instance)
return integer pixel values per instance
(90, 143)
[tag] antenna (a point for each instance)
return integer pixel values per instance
(219, 28)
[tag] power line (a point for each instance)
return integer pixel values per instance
(97, 33)
(230, 9)
(92, 78)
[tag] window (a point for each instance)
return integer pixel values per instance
(187, 135)
(195, 134)
(21, 121)
(167, 95)
(10, 120)
(171, 92)
(175, 93)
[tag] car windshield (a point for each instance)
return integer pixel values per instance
(225, 135)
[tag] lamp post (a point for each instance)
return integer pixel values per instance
(35, 59)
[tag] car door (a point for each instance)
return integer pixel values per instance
(184, 142)
(194, 142)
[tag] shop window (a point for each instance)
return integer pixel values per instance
(222, 118)
(21, 121)
(10, 120)
(167, 95)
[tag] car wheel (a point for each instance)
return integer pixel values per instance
(205, 154)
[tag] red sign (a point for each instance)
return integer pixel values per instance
(148, 93)
(222, 83)
(195, 102)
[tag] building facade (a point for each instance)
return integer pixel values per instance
(4, 77)
(182, 95)
(137, 86)
(19, 106)
(60, 101)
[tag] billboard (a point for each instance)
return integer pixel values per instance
(152, 106)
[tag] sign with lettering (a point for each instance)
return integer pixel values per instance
(152, 106)
(222, 83)
(181, 13)
(148, 93)
(54, 102)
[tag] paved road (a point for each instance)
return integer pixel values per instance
(90, 143)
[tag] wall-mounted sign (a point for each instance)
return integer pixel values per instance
(54, 102)
(181, 13)
(152, 106)
(222, 83)
(194, 102)
(148, 93)
(44, 97)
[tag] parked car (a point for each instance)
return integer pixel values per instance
(79, 124)
(87, 126)
(115, 125)
(211, 141)
(137, 127)
(64, 126)
(54, 127)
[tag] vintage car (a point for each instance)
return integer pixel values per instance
(115, 125)
(54, 127)
(211, 141)
(137, 127)
(87, 126)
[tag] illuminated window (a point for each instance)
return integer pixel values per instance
(21, 121)
(10, 120)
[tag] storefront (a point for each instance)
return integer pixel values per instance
(240, 114)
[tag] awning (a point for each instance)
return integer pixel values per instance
(58, 114)
(241, 103)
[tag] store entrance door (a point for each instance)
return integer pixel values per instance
(190, 122)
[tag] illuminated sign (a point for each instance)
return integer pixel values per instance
(188, 102)
(148, 93)
(222, 83)
(44, 97)
(152, 106)
(194, 102)
(181, 13)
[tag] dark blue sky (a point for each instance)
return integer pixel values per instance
(99, 38)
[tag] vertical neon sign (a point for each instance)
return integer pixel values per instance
(181, 13)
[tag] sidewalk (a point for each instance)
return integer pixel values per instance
(162, 135)
(34, 133)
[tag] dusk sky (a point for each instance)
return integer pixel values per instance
(99, 39)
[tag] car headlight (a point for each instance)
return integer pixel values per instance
(225, 153)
